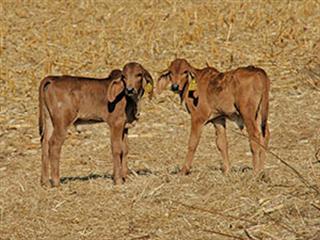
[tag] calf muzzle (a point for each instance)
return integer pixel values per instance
(175, 88)
(130, 91)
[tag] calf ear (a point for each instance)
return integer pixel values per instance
(162, 82)
(148, 87)
(114, 89)
(115, 73)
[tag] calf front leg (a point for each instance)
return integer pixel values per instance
(116, 146)
(195, 134)
(222, 143)
(124, 154)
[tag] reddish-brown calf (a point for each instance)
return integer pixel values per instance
(67, 100)
(240, 95)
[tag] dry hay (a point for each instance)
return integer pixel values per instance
(90, 38)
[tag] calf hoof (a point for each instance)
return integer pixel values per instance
(185, 171)
(263, 177)
(125, 173)
(55, 182)
(257, 171)
(118, 181)
(226, 170)
(45, 183)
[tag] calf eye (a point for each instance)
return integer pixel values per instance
(139, 75)
(185, 72)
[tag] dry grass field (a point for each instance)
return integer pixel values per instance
(89, 38)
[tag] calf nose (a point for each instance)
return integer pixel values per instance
(175, 87)
(129, 90)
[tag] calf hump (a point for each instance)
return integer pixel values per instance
(252, 68)
(217, 82)
(209, 70)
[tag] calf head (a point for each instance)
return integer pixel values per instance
(179, 75)
(138, 80)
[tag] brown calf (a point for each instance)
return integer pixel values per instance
(67, 100)
(240, 95)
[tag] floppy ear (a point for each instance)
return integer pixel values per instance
(115, 73)
(148, 87)
(114, 89)
(162, 82)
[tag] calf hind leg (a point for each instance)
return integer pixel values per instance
(255, 142)
(55, 145)
(47, 133)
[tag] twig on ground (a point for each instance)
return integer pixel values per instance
(303, 180)
(213, 211)
(222, 234)
(249, 235)
(315, 206)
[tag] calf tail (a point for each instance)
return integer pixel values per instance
(42, 104)
(265, 105)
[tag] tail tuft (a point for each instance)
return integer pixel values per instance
(263, 127)
(265, 105)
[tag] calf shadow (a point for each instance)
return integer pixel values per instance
(94, 176)
(235, 169)
(142, 172)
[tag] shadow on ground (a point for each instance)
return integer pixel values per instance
(93, 176)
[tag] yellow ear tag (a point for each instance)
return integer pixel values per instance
(148, 87)
(193, 85)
